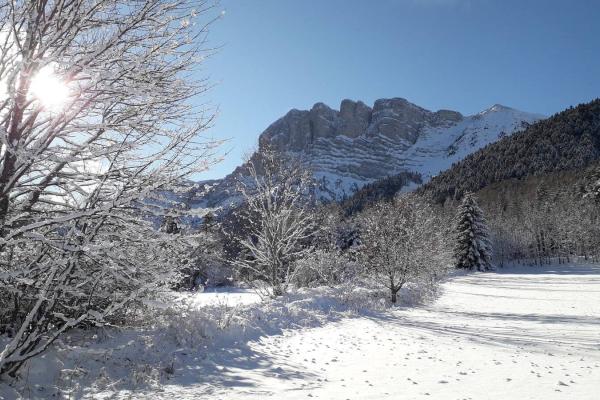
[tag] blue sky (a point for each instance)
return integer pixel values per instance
(465, 55)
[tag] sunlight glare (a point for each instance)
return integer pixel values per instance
(49, 89)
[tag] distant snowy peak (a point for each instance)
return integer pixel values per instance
(396, 118)
(437, 149)
(359, 144)
(497, 107)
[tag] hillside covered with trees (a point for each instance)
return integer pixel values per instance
(568, 140)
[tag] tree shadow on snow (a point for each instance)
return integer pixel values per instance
(543, 332)
(553, 269)
(226, 369)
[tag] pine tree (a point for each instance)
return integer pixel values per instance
(473, 249)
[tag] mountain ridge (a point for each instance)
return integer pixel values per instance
(568, 140)
(360, 144)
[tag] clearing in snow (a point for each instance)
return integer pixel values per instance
(522, 333)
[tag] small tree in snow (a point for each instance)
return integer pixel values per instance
(473, 248)
(278, 220)
(402, 241)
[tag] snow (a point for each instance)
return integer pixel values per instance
(522, 332)
(338, 159)
(526, 333)
(439, 147)
(228, 296)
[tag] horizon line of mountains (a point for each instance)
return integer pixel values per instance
(359, 145)
(361, 154)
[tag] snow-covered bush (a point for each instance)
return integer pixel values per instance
(95, 125)
(225, 324)
(326, 267)
(332, 261)
(207, 266)
(192, 326)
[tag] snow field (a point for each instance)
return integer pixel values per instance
(521, 333)
(525, 333)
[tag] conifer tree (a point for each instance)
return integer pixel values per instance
(473, 248)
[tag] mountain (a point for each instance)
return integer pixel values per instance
(358, 145)
(567, 141)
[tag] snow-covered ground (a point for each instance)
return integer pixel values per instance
(528, 333)
(221, 296)
(522, 333)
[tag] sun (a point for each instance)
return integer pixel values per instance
(51, 91)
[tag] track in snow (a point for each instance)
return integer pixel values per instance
(531, 333)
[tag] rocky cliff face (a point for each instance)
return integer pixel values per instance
(395, 119)
(358, 144)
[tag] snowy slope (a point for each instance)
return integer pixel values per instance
(437, 149)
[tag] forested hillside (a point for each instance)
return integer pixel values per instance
(543, 218)
(532, 187)
(383, 189)
(568, 140)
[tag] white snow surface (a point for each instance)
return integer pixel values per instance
(520, 333)
(523, 333)
(227, 296)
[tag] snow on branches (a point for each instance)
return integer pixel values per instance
(278, 219)
(96, 124)
(403, 241)
(473, 249)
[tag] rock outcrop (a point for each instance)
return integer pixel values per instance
(394, 118)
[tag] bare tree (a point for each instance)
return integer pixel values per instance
(403, 241)
(96, 125)
(280, 224)
(332, 261)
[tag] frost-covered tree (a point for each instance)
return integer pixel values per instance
(278, 220)
(208, 266)
(96, 124)
(473, 248)
(402, 241)
(333, 259)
